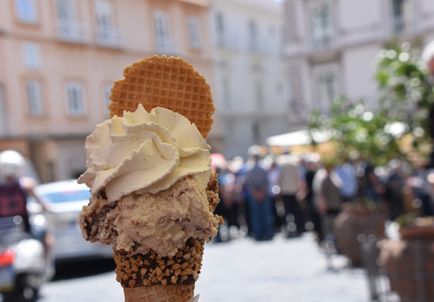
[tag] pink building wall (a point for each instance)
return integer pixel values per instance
(86, 62)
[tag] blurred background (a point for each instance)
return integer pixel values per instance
(332, 99)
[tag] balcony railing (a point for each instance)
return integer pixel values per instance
(322, 41)
(70, 31)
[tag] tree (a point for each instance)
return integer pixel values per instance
(405, 106)
(358, 131)
(406, 93)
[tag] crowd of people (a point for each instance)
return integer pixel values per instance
(265, 195)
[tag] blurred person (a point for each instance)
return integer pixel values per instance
(394, 190)
(259, 201)
(419, 183)
(222, 206)
(274, 191)
(247, 166)
(319, 177)
(309, 196)
(220, 166)
(430, 190)
(240, 169)
(289, 184)
(348, 180)
(302, 168)
(373, 186)
(328, 199)
(233, 193)
(302, 164)
(15, 189)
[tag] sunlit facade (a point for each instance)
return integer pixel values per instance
(332, 47)
(249, 76)
(59, 58)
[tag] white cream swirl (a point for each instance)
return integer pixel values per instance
(144, 151)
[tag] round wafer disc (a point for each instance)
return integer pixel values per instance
(164, 81)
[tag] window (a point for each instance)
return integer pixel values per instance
(259, 94)
(68, 26)
(256, 132)
(74, 99)
(253, 36)
(34, 98)
(26, 11)
(322, 25)
(161, 26)
(401, 15)
(104, 22)
(66, 10)
(327, 89)
(194, 32)
(220, 29)
(31, 56)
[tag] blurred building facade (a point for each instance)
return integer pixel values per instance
(59, 58)
(331, 47)
(250, 88)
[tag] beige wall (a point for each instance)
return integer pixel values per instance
(359, 30)
(18, 144)
(85, 61)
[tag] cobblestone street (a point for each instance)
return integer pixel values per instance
(244, 270)
(282, 270)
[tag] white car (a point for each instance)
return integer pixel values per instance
(64, 200)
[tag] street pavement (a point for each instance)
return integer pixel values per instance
(242, 270)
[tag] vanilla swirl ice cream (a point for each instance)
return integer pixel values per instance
(148, 173)
(146, 151)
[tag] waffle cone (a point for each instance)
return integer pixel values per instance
(160, 293)
(151, 269)
(172, 83)
(163, 81)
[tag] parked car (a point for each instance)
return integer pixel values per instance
(64, 200)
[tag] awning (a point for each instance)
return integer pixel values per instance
(298, 138)
(302, 137)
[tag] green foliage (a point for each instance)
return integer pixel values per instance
(406, 96)
(358, 131)
(406, 93)
(406, 220)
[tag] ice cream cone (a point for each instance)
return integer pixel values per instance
(144, 273)
(151, 269)
(160, 293)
